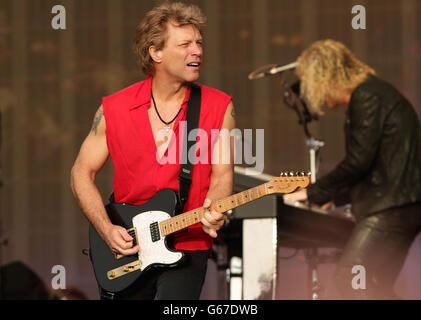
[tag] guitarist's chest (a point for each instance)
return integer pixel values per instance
(162, 133)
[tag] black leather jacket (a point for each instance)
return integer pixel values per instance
(382, 166)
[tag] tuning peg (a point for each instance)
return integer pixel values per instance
(282, 174)
(308, 174)
(291, 174)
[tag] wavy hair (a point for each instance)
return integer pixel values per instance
(152, 30)
(325, 66)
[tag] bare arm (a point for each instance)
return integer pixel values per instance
(92, 156)
(222, 176)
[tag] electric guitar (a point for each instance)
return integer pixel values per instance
(152, 223)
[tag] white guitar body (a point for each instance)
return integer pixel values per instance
(153, 252)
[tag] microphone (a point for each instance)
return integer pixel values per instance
(286, 67)
(270, 70)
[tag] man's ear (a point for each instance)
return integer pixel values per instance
(156, 55)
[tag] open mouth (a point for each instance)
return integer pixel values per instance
(194, 64)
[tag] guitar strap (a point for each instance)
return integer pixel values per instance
(189, 145)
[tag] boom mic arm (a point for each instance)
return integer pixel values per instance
(277, 69)
(270, 70)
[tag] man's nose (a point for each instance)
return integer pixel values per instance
(197, 50)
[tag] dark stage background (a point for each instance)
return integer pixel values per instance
(52, 81)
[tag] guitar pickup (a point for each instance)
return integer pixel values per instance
(133, 234)
(154, 231)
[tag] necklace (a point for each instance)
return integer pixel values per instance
(167, 124)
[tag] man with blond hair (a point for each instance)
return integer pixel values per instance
(128, 127)
(381, 172)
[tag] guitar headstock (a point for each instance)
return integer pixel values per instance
(288, 182)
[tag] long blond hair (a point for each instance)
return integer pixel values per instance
(325, 66)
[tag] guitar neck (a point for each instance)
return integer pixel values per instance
(189, 218)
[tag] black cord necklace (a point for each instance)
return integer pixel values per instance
(167, 124)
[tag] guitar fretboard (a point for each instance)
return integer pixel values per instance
(189, 218)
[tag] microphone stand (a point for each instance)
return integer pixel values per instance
(293, 101)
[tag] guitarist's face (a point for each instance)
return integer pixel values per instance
(181, 56)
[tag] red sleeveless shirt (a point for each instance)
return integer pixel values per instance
(139, 173)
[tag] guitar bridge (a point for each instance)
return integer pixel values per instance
(126, 269)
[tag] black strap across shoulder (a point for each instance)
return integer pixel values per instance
(189, 145)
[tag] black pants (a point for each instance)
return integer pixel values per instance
(380, 244)
(183, 282)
